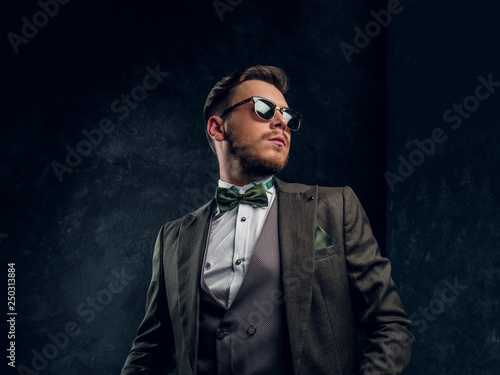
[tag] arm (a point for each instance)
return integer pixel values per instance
(376, 304)
(153, 349)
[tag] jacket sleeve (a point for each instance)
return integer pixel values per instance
(376, 304)
(153, 349)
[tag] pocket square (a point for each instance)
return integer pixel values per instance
(321, 239)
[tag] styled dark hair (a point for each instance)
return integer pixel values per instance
(221, 95)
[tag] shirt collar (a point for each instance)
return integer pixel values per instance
(243, 189)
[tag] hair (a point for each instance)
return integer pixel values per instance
(222, 94)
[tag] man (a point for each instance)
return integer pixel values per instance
(268, 277)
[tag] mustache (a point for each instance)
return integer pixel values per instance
(273, 134)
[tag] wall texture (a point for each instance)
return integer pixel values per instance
(443, 219)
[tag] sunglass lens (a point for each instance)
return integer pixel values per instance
(264, 109)
(292, 120)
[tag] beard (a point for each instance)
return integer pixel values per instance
(253, 164)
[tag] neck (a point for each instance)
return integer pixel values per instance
(238, 179)
(232, 172)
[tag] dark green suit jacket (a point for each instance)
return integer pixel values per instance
(334, 280)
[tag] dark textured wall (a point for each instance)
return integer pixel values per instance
(443, 219)
(82, 242)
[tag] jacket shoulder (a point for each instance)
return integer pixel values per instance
(287, 187)
(172, 227)
(292, 187)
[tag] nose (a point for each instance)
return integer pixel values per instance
(279, 120)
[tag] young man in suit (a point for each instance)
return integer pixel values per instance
(268, 277)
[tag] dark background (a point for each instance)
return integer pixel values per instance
(71, 238)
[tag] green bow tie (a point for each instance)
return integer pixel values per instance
(227, 199)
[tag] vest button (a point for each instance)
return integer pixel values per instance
(238, 262)
(221, 335)
(243, 218)
(251, 330)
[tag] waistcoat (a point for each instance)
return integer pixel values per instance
(251, 336)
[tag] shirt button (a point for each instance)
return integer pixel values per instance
(251, 330)
(238, 262)
(221, 335)
(243, 219)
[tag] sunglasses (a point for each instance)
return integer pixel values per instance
(266, 110)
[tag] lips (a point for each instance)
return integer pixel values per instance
(279, 140)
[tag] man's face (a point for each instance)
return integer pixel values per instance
(260, 146)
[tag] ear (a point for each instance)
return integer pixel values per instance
(215, 128)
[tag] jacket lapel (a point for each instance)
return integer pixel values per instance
(192, 239)
(296, 224)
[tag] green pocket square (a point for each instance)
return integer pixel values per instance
(321, 239)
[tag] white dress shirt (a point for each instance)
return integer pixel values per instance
(230, 244)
